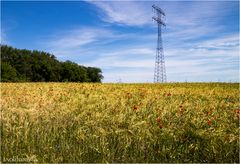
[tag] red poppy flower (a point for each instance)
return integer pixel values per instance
(237, 111)
(158, 119)
(135, 107)
(209, 122)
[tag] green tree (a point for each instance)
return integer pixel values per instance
(8, 73)
(94, 74)
(41, 66)
(73, 72)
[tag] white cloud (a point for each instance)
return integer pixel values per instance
(129, 58)
(133, 51)
(76, 37)
(77, 40)
(231, 41)
(125, 12)
(179, 34)
(135, 13)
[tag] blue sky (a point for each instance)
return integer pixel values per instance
(201, 39)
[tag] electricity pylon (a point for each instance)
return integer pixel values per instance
(160, 70)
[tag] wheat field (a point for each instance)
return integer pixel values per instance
(84, 122)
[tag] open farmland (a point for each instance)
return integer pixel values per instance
(73, 122)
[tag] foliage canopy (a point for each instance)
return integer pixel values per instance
(38, 66)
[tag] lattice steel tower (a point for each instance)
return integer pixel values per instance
(160, 70)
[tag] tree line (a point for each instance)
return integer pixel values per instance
(21, 65)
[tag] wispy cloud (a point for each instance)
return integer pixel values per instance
(139, 12)
(228, 42)
(76, 40)
(125, 12)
